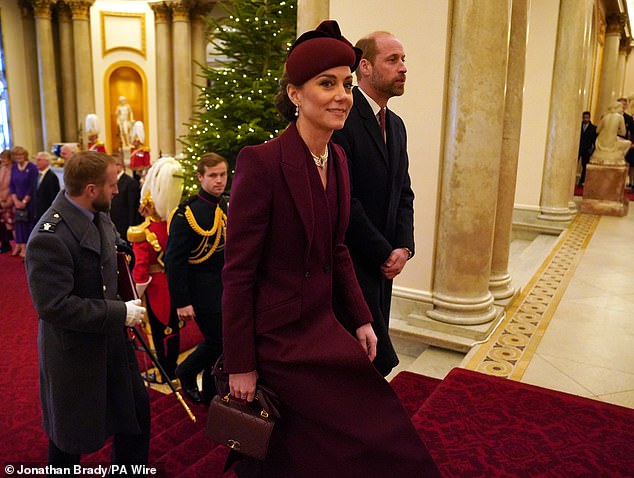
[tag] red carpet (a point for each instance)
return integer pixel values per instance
(474, 425)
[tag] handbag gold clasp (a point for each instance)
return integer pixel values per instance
(233, 444)
(264, 414)
(226, 398)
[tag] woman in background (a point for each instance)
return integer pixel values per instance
(22, 187)
(6, 203)
(285, 261)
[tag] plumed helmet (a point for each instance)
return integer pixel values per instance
(138, 132)
(92, 124)
(163, 185)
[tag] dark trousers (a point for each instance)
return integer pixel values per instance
(5, 237)
(167, 348)
(205, 355)
(585, 159)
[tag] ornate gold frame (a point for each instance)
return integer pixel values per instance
(140, 16)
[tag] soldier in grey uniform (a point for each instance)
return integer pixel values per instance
(90, 385)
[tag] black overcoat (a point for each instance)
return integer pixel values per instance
(86, 385)
(381, 209)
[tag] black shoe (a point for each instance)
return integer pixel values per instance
(190, 389)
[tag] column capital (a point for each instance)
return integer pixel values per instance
(616, 23)
(161, 12)
(26, 8)
(80, 9)
(42, 8)
(201, 9)
(64, 12)
(180, 11)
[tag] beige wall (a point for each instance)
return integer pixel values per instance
(101, 64)
(21, 109)
(540, 55)
(422, 27)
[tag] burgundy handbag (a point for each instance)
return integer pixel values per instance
(243, 427)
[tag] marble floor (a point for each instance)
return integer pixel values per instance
(585, 344)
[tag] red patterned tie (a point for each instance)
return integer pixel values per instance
(382, 122)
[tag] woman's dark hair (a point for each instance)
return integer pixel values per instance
(283, 103)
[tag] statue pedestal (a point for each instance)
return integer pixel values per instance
(604, 190)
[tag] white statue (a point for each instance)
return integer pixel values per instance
(125, 118)
(609, 148)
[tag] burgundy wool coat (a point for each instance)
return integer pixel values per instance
(284, 260)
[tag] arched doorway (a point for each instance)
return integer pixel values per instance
(128, 80)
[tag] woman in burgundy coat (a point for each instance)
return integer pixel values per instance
(285, 259)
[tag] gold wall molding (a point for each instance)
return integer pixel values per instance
(125, 21)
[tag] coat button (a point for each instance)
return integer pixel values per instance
(104, 288)
(307, 274)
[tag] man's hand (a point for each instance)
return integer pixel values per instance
(242, 385)
(186, 313)
(395, 263)
(134, 313)
(367, 339)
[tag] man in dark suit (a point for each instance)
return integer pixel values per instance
(47, 184)
(586, 143)
(124, 210)
(381, 231)
(90, 385)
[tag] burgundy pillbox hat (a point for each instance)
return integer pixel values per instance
(318, 50)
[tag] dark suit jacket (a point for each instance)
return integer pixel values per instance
(586, 140)
(45, 193)
(267, 274)
(124, 210)
(381, 211)
(87, 366)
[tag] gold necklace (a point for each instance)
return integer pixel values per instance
(320, 160)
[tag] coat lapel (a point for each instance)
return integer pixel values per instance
(293, 154)
(80, 226)
(343, 188)
(370, 123)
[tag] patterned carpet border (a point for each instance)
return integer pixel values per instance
(510, 349)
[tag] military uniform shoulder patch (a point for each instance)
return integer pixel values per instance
(50, 223)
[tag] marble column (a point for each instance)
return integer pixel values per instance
(182, 58)
(199, 48)
(46, 69)
(608, 80)
(500, 279)
(621, 65)
(471, 162)
(562, 143)
(311, 13)
(164, 78)
(83, 60)
(32, 80)
(67, 73)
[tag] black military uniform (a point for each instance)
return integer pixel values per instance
(193, 261)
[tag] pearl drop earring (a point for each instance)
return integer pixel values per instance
(296, 110)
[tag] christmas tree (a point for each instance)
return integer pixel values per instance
(237, 108)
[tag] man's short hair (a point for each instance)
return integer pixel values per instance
(209, 160)
(367, 44)
(46, 155)
(585, 113)
(84, 168)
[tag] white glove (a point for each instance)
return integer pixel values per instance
(134, 313)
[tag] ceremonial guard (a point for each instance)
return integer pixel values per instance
(160, 195)
(139, 154)
(92, 132)
(194, 262)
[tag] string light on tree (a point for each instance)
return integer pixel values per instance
(236, 107)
